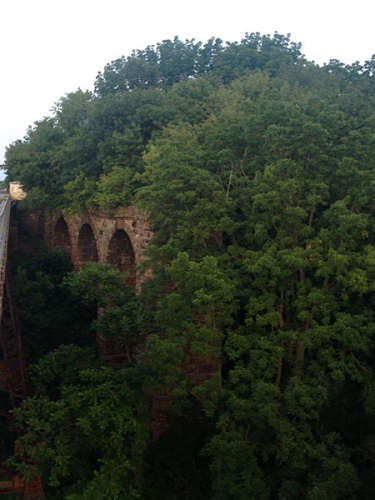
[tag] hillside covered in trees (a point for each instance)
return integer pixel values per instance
(257, 168)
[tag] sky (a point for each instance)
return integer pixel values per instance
(49, 48)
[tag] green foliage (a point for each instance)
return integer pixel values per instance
(34, 161)
(172, 61)
(79, 194)
(59, 368)
(72, 111)
(121, 311)
(95, 432)
(49, 314)
(99, 284)
(191, 319)
(88, 136)
(115, 189)
(174, 465)
(296, 239)
(257, 169)
(200, 305)
(74, 397)
(183, 194)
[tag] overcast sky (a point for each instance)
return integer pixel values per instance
(52, 47)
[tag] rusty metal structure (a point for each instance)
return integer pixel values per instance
(13, 373)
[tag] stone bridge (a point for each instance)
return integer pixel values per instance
(119, 239)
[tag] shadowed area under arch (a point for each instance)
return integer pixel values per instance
(121, 254)
(61, 236)
(86, 247)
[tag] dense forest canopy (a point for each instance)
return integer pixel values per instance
(257, 168)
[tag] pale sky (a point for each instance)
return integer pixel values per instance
(52, 47)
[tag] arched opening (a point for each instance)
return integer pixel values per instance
(86, 248)
(61, 236)
(121, 254)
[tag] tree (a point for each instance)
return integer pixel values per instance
(89, 441)
(34, 161)
(121, 311)
(49, 313)
(73, 393)
(296, 242)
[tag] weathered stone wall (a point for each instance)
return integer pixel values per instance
(37, 228)
(134, 223)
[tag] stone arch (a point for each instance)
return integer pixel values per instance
(121, 254)
(61, 236)
(86, 246)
